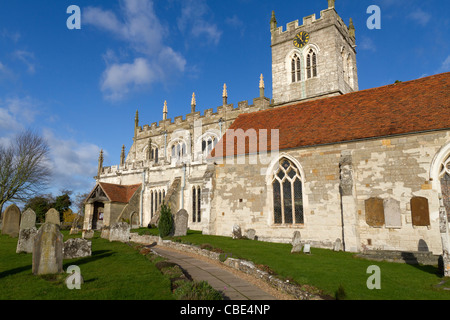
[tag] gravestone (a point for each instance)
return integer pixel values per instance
(77, 248)
(337, 245)
(48, 250)
(392, 213)
(87, 234)
(25, 243)
(296, 242)
(28, 219)
(251, 234)
(105, 233)
(11, 221)
(52, 216)
(374, 212)
(236, 232)
(307, 248)
(180, 223)
(120, 232)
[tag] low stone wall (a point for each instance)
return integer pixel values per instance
(242, 265)
(424, 258)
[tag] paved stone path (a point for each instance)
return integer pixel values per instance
(233, 287)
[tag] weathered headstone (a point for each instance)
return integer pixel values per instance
(77, 248)
(48, 250)
(52, 216)
(25, 243)
(11, 221)
(120, 232)
(28, 219)
(251, 234)
(236, 232)
(87, 234)
(337, 245)
(180, 223)
(105, 232)
(392, 213)
(296, 242)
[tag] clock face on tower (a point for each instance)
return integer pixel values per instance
(301, 39)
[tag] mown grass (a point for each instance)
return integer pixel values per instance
(115, 271)
(328, 270)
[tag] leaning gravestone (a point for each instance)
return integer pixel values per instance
(11, 221)
(251, 234)
(87, 234)
(77, 248)
(105, 232)
(296, 242)
(120, 232)
(48, 250)
(180, 223)
(237, 233)
(52, 216)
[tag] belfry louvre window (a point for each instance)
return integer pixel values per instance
(296, 69)
(311, 64)
(287, 194)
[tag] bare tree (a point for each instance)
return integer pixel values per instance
(24, 171)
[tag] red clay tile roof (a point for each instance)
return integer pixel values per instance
(119, 193)
(408, 107)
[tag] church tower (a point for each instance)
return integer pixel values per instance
(314, 60)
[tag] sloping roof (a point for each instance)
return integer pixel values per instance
(402, 108)
(119, 193)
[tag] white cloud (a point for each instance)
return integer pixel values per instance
(118, 78)
(15, 114)
(73, 164)
(193, 21)
(419, 16)
(27, 58)
(140, 28)
(445, 66)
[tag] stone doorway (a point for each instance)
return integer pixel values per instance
(97, 217)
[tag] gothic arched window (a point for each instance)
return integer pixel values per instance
(296, 68)
(311, 64)
(287, 194)
(208, 143)
(178, 150)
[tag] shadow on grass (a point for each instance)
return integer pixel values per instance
(14, 271)
(96, 255)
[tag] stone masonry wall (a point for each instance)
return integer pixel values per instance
(396, 168)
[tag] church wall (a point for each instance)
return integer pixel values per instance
(397, 168)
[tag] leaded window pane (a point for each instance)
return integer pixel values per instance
(298, 201)
(277, 202)
(280, 174)
(287, 203)
(194, 203)
(292, 173)
(199, 199)
(285, 164)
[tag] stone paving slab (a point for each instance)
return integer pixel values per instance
(232, 287)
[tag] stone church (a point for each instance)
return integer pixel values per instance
(370, 168)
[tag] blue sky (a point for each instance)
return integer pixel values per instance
(80, 89)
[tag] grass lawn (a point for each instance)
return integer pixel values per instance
(328, 270)
(115, 271)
